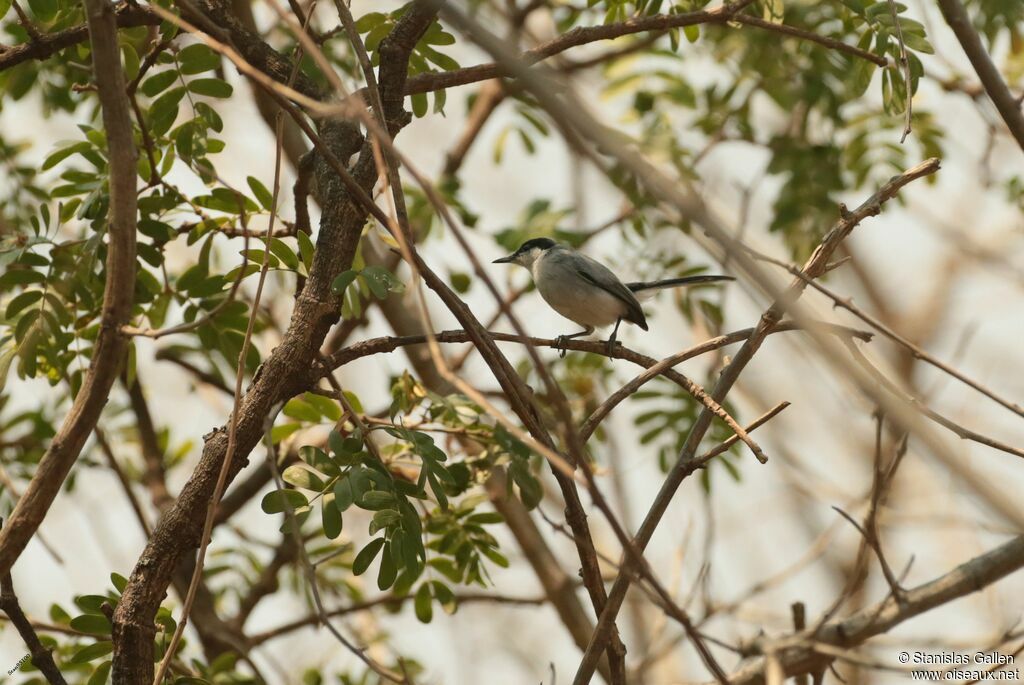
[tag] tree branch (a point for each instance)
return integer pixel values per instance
(1008, 106)
(41, 656)
(796, 654)
(117, 294)
(582, 35)
(285, 371)
(127, 15)
(815, 266)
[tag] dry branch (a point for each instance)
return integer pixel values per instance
(1009, 107)
(127, 15)
(41, 656)
(796, 652)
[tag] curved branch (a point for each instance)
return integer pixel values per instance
(582, 35)
(386, 344)
(592, 422)
(41, 656)
(1009, 107)
(915, 350)
(127, 15)
(796, 655)
(117, 294)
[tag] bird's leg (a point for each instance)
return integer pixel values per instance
(562, 341)
(611, 340)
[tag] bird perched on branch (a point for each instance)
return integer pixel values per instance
(585, 291)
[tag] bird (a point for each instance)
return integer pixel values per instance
(585, 291)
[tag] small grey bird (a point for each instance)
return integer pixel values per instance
(586, 291)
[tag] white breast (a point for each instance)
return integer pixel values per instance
(573, 297)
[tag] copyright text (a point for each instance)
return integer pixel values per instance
(964, 666)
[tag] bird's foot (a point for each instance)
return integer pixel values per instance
(611, 345)
(562, 345)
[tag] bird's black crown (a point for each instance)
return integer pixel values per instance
(539, 243)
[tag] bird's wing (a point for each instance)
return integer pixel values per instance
(599, 275)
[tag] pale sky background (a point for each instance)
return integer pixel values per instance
(759, 532)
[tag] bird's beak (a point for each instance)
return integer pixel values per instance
(503, 260)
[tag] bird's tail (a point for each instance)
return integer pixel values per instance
(641, 287)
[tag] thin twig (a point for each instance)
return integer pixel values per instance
(1008, 106)
(126, 485)
(905, 64)
(41, 656)
(830, 43)
(961, 431)
(916, 351)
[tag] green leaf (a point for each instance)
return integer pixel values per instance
(279, 433)
(387, 572)
(318, 459)
(23, 300)
(384, 518)
(336, 443)
(306, 248)
(197, 58)
(419, 104)
(301, 477)
(343, 495)
(530, 490)
(380, 281)
(486, 517)
(91, 604)
(119, 581)
(374, 500)
(438, 58)
(298, 408)
(211, 87)
(445, 597)
(91, 623)
(422, 604)
(330, 516)
(327, 407)
(918, 42)
(857, 6)
(263, 195)
(58, 615)
(7, 355)
(460, 281)
(447, 569)
(281, 250)
(369, 21)
(494, 555)
(164, 111)
(343, 281)
(277, 501)
(93, 651)
(157, 83)
(99, 676)
(438, 491)
(366, 556)
(15, 277)
(58, 156)
(45, 10)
